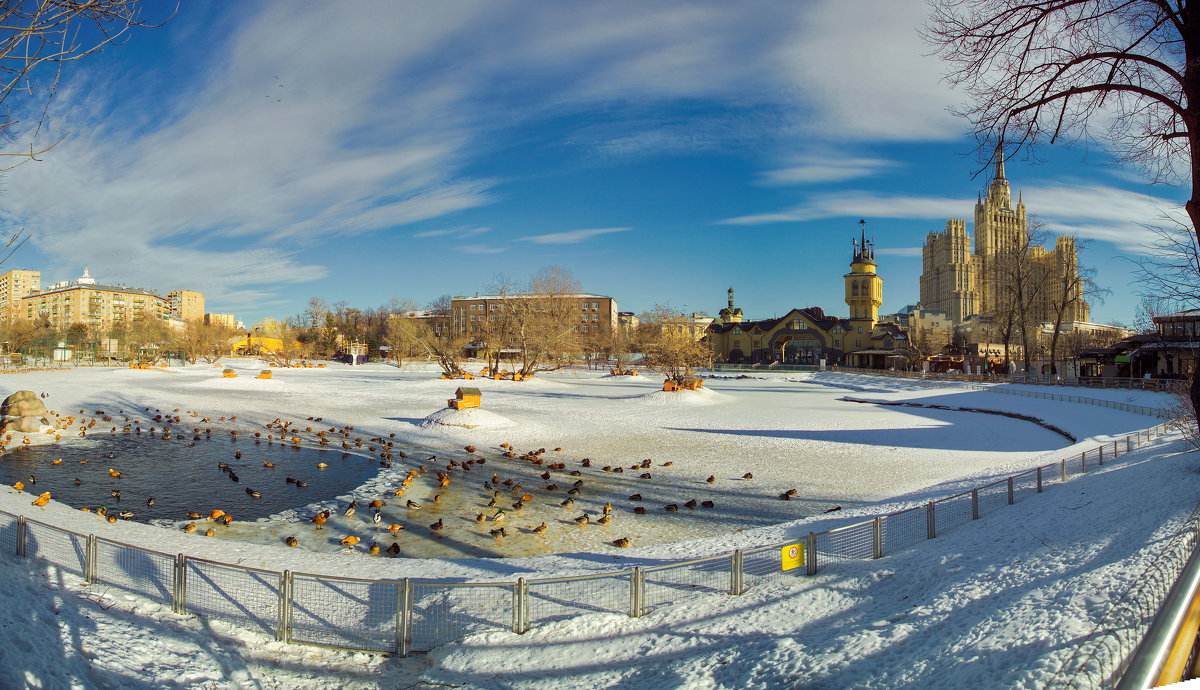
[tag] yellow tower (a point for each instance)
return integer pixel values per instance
(864, 289)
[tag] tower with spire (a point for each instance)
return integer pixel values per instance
(864, 287)
(962, 283)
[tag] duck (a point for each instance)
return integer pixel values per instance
(608, 508)
(748, 475)
(189, 527)
(395, 528)
(321, 466)
(150, 501)
(376, 517)
(78, 481)
(268, 464)
(639, 510)
(126, 514)
(690, 504)
(412, 505)
(216, 515)
(498, 516)
(226, 518)
(635, 497)
(582, 520)
(711, 478)
(707, 504)
(498, 533)
(42, 499)
(437, 526)
(623, 542)
(350, 509)
(291, 541)
(568, 504)
(253, 494)
(210, 532)
(373, 549)
(115, 494)
(320, 518)
(377, 503)
(301, 483)
(113, 473)
(540, 529)
(19, 486)
(605, 519)
(671, 507)
(349, 541)
(193, 515)
(393, 550)
(56, 462)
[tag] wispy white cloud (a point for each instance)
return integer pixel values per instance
(460, 232)
(898, 251)
(480, 249)
(571, 236)
(305, 127)
(813, 169)
(859, 204)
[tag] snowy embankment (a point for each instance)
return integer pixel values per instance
(1009, 593)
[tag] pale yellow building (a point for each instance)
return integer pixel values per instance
(225, 320)
(99, 307)
(963, 283)
(186, 305)
(14, 285)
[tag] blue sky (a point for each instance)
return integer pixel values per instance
(265, 153)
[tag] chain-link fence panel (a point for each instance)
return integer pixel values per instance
(902, 530)
(8, 533)
(444, 612)
(148, 573)
(670, 584)
(1024, 485)
(846, 543)
(242, 595)
(993, 497)
(553, 600)
(345, 613)
(952, 512)
(762, 565)
(65, 549)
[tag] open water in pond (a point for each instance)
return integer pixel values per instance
(181, 477)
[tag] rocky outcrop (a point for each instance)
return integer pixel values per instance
(24, 411)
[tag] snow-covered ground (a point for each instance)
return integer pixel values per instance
(996, 603)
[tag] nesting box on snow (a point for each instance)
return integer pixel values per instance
(465, 397)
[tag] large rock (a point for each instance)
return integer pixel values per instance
(24, 411)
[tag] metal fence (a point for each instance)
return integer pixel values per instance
(1167, 385)
(931, 382)
(410, 615)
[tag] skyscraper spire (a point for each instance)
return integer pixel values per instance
(999, 174)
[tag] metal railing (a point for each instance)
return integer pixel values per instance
(1167, 385)
(1160, 412)
(411, 615)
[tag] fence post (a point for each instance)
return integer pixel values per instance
(1083, 459)
(810, 553)
(1063, 469)
(974, 504)
(406, 618)
(635, 608)
(22, 529)
(1010, 491)
(179, 589)
(518, 607)
(930, 521)
(735, 572)
(283, 633)
(89, 560)
(1128, 444)
(877, 537)
(1101, 449)
(1039, 480)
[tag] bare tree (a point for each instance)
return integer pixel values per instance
(543, 322)
(403, 337)
(669, 346)
(444, 345)
(1071, 287)
(204, 342)
(145, 338)
(1019, 276)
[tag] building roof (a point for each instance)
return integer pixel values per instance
(97, 287)
(579, 295)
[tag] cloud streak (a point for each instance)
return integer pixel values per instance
(571, 236)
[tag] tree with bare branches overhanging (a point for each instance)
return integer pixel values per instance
(1125, 71)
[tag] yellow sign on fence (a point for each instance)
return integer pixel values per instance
(791, 556)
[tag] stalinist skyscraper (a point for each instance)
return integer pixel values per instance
(964, 284)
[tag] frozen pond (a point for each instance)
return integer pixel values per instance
(182, 474)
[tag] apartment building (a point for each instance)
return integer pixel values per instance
(597, 313)
(186, 305)
(14, 285)
(225, 320)
(97, 306)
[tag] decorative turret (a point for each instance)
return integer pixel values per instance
(998, 191)
(864, 289)
(730, 314)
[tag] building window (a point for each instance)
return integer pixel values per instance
(854, 288)
(837, 343)
(860, 331)
(585, 328)
(595, 305)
